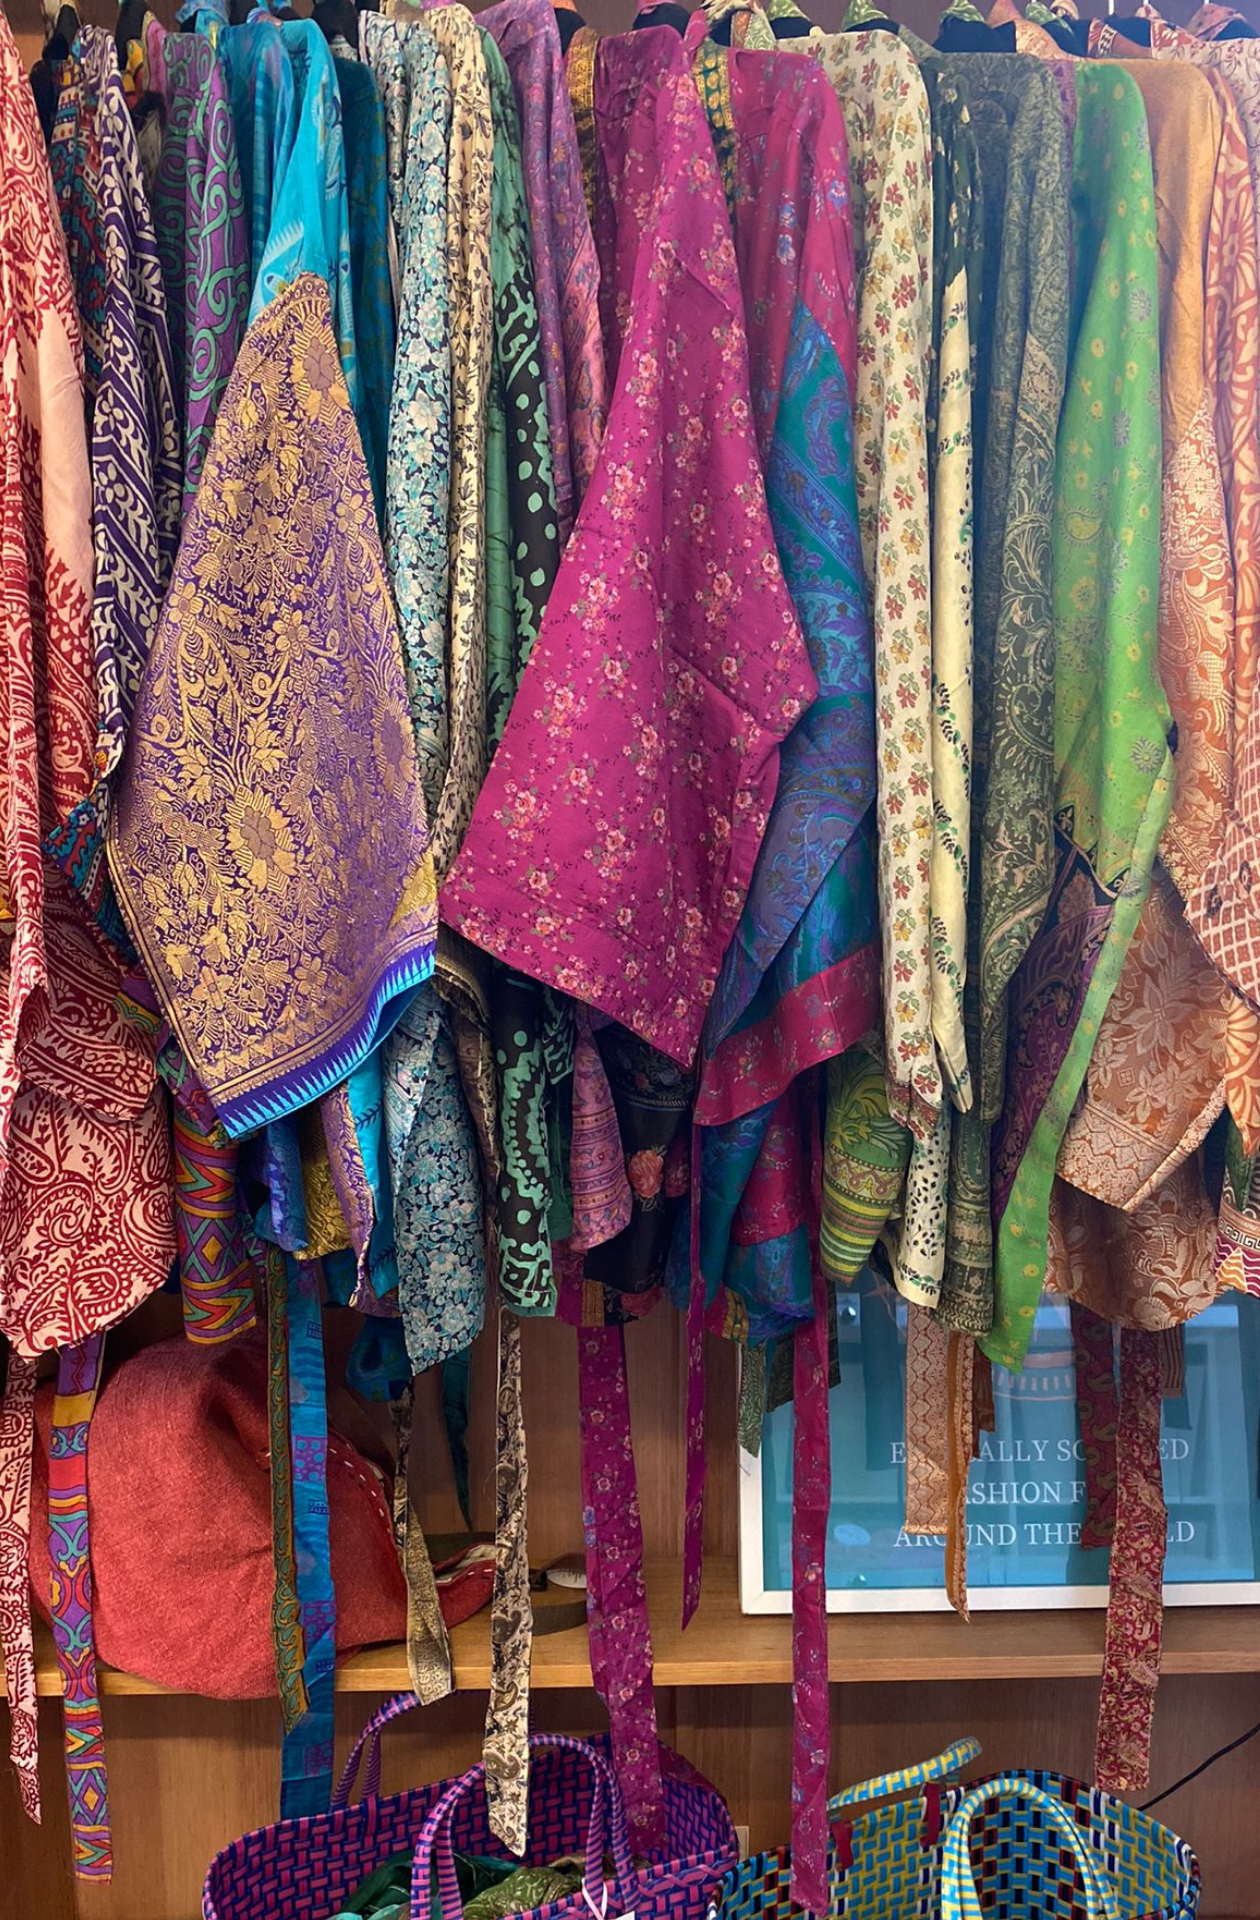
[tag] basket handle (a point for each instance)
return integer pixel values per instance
(371, 1739)
(959, 1898)
(607, 1831)
(887, 1786)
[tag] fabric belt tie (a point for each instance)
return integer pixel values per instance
(215, 1276)
(1135, 1610)
(428, 1648)
(620, 1634)
(78, 1382)
(286, 1619)
(1097, 1412)
(697, 1465)
(511, 1618)
(307, 1756)
(811, 1506)
(17, 1434)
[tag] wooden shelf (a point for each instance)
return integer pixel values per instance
(724, 1648)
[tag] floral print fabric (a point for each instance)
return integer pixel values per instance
(436, 1181)
(957, 249)
(406, 59)
(470, 161)
(244, 809)
(889, 136)
(669, 664)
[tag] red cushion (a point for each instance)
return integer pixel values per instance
(179, 1505)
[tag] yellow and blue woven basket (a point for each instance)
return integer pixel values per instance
(1014, 1847)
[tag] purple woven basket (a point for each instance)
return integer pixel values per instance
(305, 1869)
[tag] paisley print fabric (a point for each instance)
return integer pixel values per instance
(889, 138)
(75, 1042)
(1152, 1267)
(468, 221)
(48, 705)
(326, 890)
(66, 1164)
(417, 483)
(622, 715)
(1025, 172)
(86, 1224)
(522, 528)
(202, 234)
(134, 422)
(566, 269)
(1113, 766)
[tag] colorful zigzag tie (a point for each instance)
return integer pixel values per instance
(78, 1379)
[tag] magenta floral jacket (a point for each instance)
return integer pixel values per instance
(613, 842)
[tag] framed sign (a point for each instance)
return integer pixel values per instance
(1026, 1493)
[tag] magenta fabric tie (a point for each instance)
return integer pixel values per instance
(697, 1465)
(811, 1504)
(620, 1635)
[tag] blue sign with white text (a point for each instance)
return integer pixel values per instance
(1026, 1492)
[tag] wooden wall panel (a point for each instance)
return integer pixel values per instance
(187, 1776)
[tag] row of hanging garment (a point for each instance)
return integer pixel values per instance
(816, 673)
